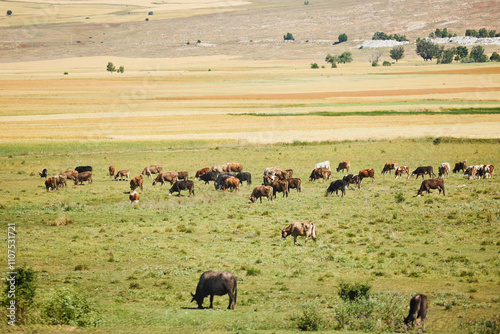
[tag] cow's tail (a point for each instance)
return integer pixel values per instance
(313, 230)
(235, 289)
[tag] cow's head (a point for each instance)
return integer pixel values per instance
(252, 199)
(284, 234)
(199, 300)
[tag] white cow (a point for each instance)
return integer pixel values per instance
(324, 164)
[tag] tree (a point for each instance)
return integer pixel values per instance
(314, 65)
(375, 57)
(121, 69)
(288, 37)
(397, 52)
(462, 51)
(427, 50)
(342, 38)
(495, 57)
(110, 68)
(477, 54)
(345, 57)
(332, 59)
(483, 32)
(446, 56)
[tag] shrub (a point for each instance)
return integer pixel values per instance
(253, 272)
(9, 12)
(374, 63)
(66, 307)
(354, 291)
(150, 13)
(399, 198)
(306, 3)
(25, 292)
(342, 38)
(495, 57)
(386, 63)
(121, 69)
(311, 318)
(314, 65)
(288, 37)
(110, 67)
(482, 326)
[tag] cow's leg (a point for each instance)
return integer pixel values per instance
(211, 301)
(231, 301)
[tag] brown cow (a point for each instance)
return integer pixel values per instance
(183, 176)
(218, 168)
(280, 186)
(182, 185)
(418, 308)
(295, 183)
(444, 169)
(136, 182)
(70, 174)
(402, 170)
(370, 172)
(460, 166)
(133, 196)
(166, 176)
(61, 181)
(346, 164)
(285, 174)
(431, 184)
(111, 171)
(306, 229)
(84, 176)
(200, 172)
(389, 166)
(231, 183)
(151, 169)
(320, 173)
(124, 173)
(262, 191)
(352, 179)
(271, 171)
(51, 183)
(214, 283)
(233, 167)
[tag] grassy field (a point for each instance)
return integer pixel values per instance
(139, 263)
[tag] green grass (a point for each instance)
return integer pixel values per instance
(139, 263)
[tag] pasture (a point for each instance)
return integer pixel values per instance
(140, 262)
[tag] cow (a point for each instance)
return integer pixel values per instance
(219, 182)
(70, 174)
(285, 174)
(245, 176)
(231, 183)
(209, 176)
(389, 166)
(418, 308)
(352, 179)
(320, 173)
(295, 183)
(271, 170)
(133, 196)
(364, 173)
(151, 169)
(324, 164)
(81, 169)
(346, 164)
(336, 186)
(136, 182)
(280, 186)
(306, 229)
(262, 191)
(268, 179)
(233, 167)
(111, 171)
(43, 173)
(84, 176)
(182, 185)
(124, 173)
(200, 172)
(218, 168)
(431, 184)
(51, 184)
(460, 166)
(183, 175)
(488, 171)
(422, 171)
(443, 169)
(166, 176)
(61, 181)
(214, 283)
(402, 170)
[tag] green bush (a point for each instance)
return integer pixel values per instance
(354, 291)
(374, 63)
(482, 326)
(9, 12)
(23, 295)
(66, 307)
(495, 57)
(342, 38)
(314, 65)
(311, 318)
(386, 63)
(288, 37)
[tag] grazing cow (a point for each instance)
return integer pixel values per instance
(324, 164)
(209, 176)
(443, 169)
(431, 184)
(182, 185)
(133, 196)
(460, 166)
(389, 166)
(200, 172)
(295, 183)
(262, 191)
(214, 283)
(124, 173)
(51, 184)
(233, 167)
(370, 172)
(166, 176)
(346, 164)
(111, 171)
(218, 168)
(151, 169)
(245, 176)
(84, 176)
(336, 186)
(423, 170)
(280, 186)
(61, 181)
(306, 229)
(488, 171)
(271, 170)
(402, 170)
(70, 174)
(81, 169)
(136, 182)
(43, 172)
(183, 175)
(231, 183)
(418, 308)
(285, 174)
(320, 173)
(352, 179)
(219, 182)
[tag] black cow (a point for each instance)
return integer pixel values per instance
(351, 178)
(336, 186)
(245, 176)
(418, 308)
(213, 283)
(221, 178)
(460, 166)
(81, 169)
(182, 185)
(423, 170)
(43, 173)
(209, 176)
